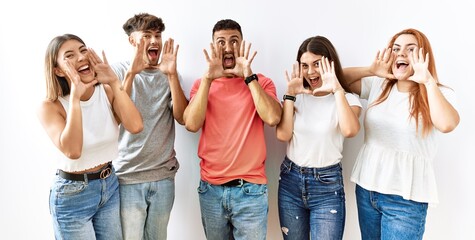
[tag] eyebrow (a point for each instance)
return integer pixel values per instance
(410, 44)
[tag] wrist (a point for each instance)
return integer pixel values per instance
(338, 89)
(250, 78)
(289, 97)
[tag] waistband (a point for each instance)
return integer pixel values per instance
(291, 165)
(103, 173)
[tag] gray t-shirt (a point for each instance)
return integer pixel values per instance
(149, 155)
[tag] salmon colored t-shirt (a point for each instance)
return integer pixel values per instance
(232, 143)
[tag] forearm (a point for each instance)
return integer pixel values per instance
(125, 109)
(443, 115)
(128, 81)
(71, 138)
(178, 98)
(195, 112)
(267, 107)
(285, 128)
(353, 76)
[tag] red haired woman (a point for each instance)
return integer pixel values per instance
(407, 109)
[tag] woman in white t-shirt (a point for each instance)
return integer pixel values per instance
(407, 108)
(318, 114)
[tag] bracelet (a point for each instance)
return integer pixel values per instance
(289, 97)
(250, 79)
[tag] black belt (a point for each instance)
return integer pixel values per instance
(234, 183)
(101, 174)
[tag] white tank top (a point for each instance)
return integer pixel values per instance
(100, 133)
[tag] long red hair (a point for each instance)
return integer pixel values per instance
(419, 106)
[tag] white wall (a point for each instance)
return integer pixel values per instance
(275, 28)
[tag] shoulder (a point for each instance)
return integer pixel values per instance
(48, 108)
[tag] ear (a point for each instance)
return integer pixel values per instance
(132, 40)
(59, 72)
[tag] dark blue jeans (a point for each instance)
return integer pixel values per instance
(311, 202)
(389, 217)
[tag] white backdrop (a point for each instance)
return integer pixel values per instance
(275, 28)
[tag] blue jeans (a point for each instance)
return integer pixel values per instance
(145, 208)
(237, 212)
(311, 202)
(86, 209)
(389, 217)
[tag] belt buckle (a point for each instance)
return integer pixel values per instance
(106, 172)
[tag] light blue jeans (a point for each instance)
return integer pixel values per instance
(311, 202)
(389, 217)
(86, 209)
(145, 209)
(238, 212)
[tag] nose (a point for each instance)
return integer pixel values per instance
(228, 47)
(312, 69)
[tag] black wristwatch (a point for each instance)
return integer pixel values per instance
(250, 79)
(289, 97)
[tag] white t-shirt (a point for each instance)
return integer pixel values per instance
(394, 159)
(316, 140)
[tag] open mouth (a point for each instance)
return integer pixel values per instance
(228, 61)
(153, 53)
(400, 65)
(84, 69)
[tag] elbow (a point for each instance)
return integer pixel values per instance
(448, 126)
(136, 129)
(192, 127)
(283, 137)
(351, 132)
(74, 155)
(273, 120)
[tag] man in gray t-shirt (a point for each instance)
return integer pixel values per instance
(147, 165)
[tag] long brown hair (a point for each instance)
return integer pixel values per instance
(320, 45)
(56, 86)
(419, 105)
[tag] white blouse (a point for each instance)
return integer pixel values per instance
(394, 158)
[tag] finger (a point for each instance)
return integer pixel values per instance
(333, 67)
(248, 49)
(300, 71)
(91, 84)
(287, 76)
(242, 48)
(104, 57)
(377, 56)
(165, 47)
(206, 55)
(252, 57)
(295, 70)
(427, 59)
(387, 55)
(238, 53)
(213, 50)
(176, 50)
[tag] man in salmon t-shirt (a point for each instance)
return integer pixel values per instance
(230, 104)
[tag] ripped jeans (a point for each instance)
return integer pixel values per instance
(311, 202)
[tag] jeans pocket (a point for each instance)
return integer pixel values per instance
(70, 188)
(203, 187)
(284, 167)
(330, 177)
(254, 189)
